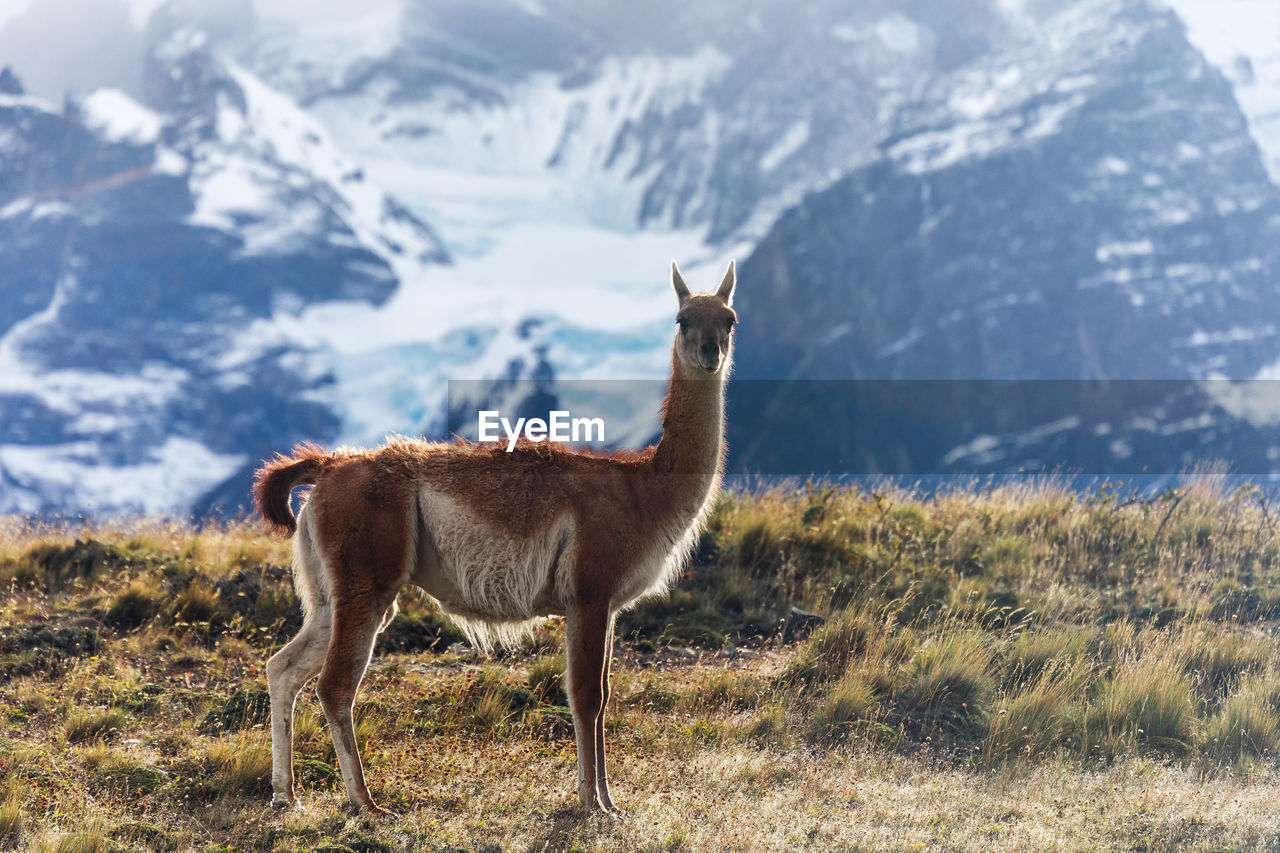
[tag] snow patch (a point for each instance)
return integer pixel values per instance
(786, 146)
(898, 33)
(1242, 39)
(167, 481)
(119, 118)
(985, 124)
(1108, 251)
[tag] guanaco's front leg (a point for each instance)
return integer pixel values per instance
(602, 775)
(588, 635)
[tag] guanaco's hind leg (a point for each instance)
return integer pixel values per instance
(588, 631)
(355, 628)
(365, 533)
(298, 662)
(287, 672)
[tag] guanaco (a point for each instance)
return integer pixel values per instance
(499, 540)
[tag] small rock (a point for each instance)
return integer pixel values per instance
(798, 625)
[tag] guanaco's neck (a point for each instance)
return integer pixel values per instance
(693, 424)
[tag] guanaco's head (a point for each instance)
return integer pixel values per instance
(706, 322)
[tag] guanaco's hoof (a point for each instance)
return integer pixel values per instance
(595, 807)
(280, 802)
(376, 811)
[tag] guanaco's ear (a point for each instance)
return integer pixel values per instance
(726, 285)
(677, 281)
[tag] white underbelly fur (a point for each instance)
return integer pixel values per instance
(496, 583)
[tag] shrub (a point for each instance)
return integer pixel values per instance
(131, 608)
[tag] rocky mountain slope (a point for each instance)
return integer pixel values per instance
(141, 247)
(304, 229)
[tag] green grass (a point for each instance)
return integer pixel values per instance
(976, 645)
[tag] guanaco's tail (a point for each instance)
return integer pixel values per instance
(276, 480)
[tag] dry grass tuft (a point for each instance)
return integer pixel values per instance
(90, 839)
(546, 679)
(850, 704)
(12, 821)
(92, 725)
(949, 683)
(1247, 725)
(1040, 719)
(241, 765)
(1146, 701)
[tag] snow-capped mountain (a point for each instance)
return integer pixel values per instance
(303, 229)
(142, 245)
(1089, 206)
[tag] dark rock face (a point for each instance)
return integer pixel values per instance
(1122, 229)
(1104, 216)
(801, 96)
(9, 83)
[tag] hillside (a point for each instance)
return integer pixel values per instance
(998, 669)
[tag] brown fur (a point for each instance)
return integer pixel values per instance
(521, 491)
(275, 481)
(627, 509)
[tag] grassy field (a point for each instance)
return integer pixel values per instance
(1014, 668)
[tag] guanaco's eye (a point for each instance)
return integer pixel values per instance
(683, 324)
(729, 324)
